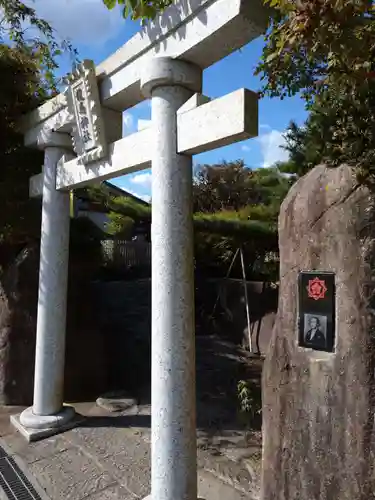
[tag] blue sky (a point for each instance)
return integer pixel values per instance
(97, 32)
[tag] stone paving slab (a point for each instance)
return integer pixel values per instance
(15, 444)
(70, 474)
(118, 451)
(108, 457)
(209, 487)
(114, 492)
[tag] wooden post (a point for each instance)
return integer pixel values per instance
(246, 300)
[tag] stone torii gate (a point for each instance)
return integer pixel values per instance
(80, 132)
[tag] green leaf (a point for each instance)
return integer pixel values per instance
(110, 4)
(271, 57)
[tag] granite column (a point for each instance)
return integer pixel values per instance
(170, 84)
(48, 411)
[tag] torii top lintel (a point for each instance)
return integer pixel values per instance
(199, 31)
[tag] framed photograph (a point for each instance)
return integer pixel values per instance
(315, 330)
(316, 310)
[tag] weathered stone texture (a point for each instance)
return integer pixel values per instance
(318, 408)
(18, 303)
(85, 366)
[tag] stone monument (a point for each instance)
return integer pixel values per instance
(318, 380)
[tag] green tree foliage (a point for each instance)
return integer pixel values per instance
(237, 206)
(224, 186)
(23, 30)
(236, 191)
(234, 206)
(19, 217)
(313, 46)
(123, 212)
(326, 51)
(306, 146)
(27, 65)
(229, 194)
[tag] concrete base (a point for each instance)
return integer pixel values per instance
(36, 427)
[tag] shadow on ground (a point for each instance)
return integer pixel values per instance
(220, 366)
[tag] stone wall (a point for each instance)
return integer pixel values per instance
(124, 318)
(18, 303)
(86, 370)
(108, 343)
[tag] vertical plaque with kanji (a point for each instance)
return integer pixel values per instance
(316, 311)
(89, 140)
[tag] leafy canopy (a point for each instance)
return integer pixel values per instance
(29, 56)
(22, 29)
(325, 50)
(312, 46)
(234, 206)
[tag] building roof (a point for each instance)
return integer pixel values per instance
(118, 191)
(110, 189)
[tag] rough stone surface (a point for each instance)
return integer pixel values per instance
(318, 409)
(117, 401)
(70, 475)
(174, 472)
(124, 317)
(36, 427)
(18, 303)
(113, 492)
(118, 444)
(114, 451)
(85, 376)
(230, 314)
(48, 394)
(162, 71)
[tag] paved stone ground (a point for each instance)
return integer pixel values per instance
(108, 457)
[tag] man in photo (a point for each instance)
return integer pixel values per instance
(315, 335)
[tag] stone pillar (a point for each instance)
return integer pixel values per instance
(48, 411)
(170, 84)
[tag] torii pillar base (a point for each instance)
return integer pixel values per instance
(36, 427)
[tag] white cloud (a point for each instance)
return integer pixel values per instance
(127, 123)
(245, 148)
(143, 179)
(270, 145)
(120, 183)
(86, 22)
(145, 197)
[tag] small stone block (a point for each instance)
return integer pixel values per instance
(32, 435)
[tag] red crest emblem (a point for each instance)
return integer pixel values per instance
(316, 289)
